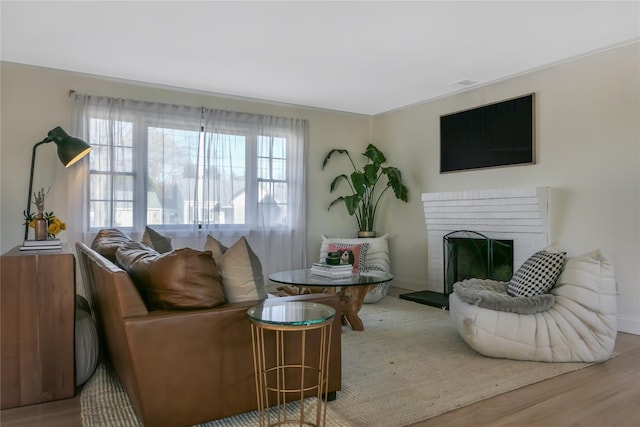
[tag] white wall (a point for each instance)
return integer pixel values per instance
(588, 152)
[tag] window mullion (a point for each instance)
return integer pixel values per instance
(251, 183)
(139, 163)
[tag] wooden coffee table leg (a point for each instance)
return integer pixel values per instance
(332, 291)
(351, 300)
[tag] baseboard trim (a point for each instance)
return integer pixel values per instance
(628, 324)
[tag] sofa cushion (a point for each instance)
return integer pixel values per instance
(107, 242)
(156, 241)
(537, 275)
(180, 279)
(240, 269)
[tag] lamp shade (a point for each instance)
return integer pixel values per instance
(70, 149)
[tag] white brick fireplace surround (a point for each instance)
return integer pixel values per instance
(519, 214)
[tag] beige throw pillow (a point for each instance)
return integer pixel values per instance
(240, 269)
(216, 248)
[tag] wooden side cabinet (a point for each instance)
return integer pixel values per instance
(37, 298)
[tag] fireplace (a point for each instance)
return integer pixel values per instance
(468, 254)
(518, 214)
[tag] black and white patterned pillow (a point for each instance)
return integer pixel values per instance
(537, 275)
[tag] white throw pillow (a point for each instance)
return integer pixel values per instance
(377, 259)
(240, 269)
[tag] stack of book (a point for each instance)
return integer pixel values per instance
(41, 245)
(332, 271)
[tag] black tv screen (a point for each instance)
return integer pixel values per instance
(499, 134)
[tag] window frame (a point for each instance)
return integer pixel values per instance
(141, 124)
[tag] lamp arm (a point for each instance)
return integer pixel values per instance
(33, 162)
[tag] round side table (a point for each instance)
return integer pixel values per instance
(285, 374)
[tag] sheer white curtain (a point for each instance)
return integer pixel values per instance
(189, 172)
(261, 198)
(128, 161)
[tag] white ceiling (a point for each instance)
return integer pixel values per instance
(360, 56)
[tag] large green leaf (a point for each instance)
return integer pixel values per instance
(335, 202)
(375, 155)
(395, 181)
(352, 202)
(358, 181)
(331, 153)
(337, 180)
(371, 173)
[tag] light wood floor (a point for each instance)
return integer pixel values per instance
(603, 395)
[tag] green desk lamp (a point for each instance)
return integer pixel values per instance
(70, 150)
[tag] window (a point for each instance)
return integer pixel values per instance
(172, 166)
(112, 177)
(224, 182)
(272, 179)
(171, 172)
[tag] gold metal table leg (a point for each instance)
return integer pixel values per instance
(273, 379)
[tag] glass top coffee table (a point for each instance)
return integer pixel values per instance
(352, 289)
(290, 313)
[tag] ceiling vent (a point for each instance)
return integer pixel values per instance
(465, 82)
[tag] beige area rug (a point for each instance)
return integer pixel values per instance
(407, 366)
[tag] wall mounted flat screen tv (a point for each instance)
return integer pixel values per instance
(500, 134)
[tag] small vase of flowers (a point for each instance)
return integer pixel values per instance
(45, 224)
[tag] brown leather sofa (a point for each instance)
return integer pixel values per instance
(183, 367)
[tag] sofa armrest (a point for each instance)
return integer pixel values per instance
(197, 365)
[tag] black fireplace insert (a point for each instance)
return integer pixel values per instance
(468, 254)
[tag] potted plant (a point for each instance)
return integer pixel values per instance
(364, 200)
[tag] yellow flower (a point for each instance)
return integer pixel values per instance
(56, 226)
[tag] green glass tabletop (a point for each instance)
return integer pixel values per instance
(291, 313)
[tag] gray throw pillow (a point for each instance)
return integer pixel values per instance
(157, 241)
